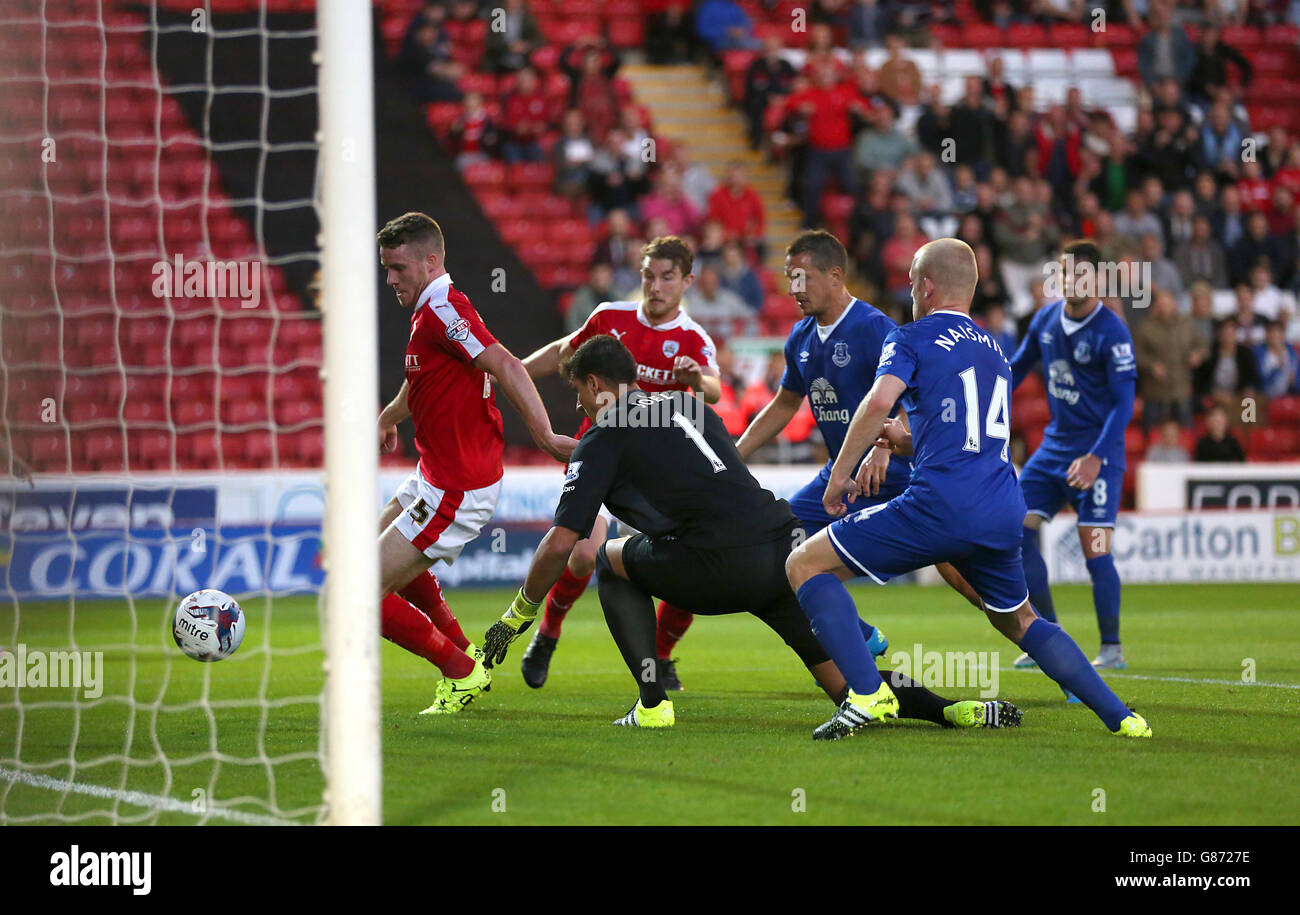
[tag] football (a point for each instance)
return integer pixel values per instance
(208, 625)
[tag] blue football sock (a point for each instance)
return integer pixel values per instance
(868, 630)
(1105, 596)
(1040, 594)
(835, 622)
(1058, 657)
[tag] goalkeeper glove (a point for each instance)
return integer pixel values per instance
(518, 617)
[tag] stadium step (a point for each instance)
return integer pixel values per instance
(688, 107)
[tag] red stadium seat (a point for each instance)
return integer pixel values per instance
(1070, 35)
(1245, 38)
(531, 176)
(484, 173)
(1273, 443)
(1284, 411)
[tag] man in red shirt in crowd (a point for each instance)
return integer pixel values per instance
(739, 209)
(827, 106)
(527, 116)
(673, 353)
(451, 360)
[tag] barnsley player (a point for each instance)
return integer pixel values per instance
(962, 505)
(450, 362)
(1087, 351)
(673, 353)
(712, 540)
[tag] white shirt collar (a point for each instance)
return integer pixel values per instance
(1070, 325)
(436, 287)
(824, 332)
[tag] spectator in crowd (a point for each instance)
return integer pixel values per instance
(528, 116)
(868, 23)
(1221, 141)
(1277, 362)
(1228, 373)
(698, 182)
(732, 386)
(974, 130)
(736, 275)
(1213, 57)
(1255, 244)
(669, 36)
(573, 153)
(882, 145)
(591, 68)
(669, 203)
(616, 239)
(989, 291)
(598, 289)
(426, 58)
(739, 209)
(1250, 323)
(1201, 259)
(900, 77)
(722, 25)
(926, 188)
(993, 318)
(709, 249)
(1229, 221)
(474, 135)
(1203, 309)
(1168, 349)
(1169, 448)
(1181, 224)
(1164, 275)
(1218, 444)
(1025, 235)
(769, 77)
(897, 254)
(513, 36)
(828, 106)
(721, 311)
(1267, 301)
(1165, 51)
(1136, 220)
(613, 180)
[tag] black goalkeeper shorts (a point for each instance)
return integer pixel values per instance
(742, 579)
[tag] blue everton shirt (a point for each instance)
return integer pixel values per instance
(834, 367)
(1091, 377)
(958, 401)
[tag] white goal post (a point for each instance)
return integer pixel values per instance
(347, 159)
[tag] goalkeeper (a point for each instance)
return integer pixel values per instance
(713, 540)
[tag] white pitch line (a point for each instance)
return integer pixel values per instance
(1202, 680)
(138, 798)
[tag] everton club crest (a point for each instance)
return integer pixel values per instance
(1082, 352)
(841, 355)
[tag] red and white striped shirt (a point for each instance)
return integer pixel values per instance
(457, 424)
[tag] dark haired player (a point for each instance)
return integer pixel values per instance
(1086, 352)
(673, 353)
(453, 492)
(712, 540)
(962, 504)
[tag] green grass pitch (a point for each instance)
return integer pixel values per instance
(1224, 751)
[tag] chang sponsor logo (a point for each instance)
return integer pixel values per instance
(825, 403)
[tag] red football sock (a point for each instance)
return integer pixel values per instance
(426, 593)
(408, 627)
(560, 601)
(673, 624)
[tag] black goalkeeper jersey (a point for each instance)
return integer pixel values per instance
(665, 464)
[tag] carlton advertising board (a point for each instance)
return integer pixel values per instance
(1253, 545)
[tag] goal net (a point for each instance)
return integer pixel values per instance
(162, 362)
